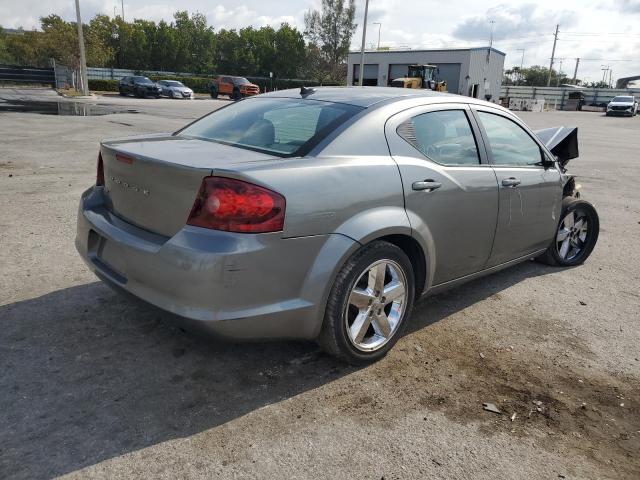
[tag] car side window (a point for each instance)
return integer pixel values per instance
(510, 144)
(226, 80)
(444, 136)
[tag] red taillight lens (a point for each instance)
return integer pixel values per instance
(237, 206)
(100, 172)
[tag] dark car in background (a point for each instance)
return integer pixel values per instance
(139, 86)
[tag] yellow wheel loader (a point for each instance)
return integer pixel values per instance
(421, 76)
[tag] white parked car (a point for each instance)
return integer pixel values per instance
(623, 105)
(175, 89)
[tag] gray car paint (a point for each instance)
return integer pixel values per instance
(349, 190)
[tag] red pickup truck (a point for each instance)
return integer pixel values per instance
(235, 87)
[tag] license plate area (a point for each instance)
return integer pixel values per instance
(105, 256)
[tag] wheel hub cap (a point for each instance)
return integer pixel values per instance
(376, 305)
(572, 235)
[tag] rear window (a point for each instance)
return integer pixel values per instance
(279, 126)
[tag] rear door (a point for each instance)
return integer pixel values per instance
(530, 192)
(226, 86)
(451, 193)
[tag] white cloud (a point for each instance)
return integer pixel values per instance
(242, 16)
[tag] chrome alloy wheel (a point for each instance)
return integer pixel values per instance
(572, 235)
(376, 305)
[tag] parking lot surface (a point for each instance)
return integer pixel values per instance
(96, 385)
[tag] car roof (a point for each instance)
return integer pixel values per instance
(368, 96)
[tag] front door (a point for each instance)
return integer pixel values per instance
(451, 193)
(530, 191)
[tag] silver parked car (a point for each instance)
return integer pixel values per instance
(324, 213)
(174, 89)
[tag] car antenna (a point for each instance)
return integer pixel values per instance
(304, 91)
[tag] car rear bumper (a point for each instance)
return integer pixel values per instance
(243, 286)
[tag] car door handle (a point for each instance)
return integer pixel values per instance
(428, 185)
(510, 182)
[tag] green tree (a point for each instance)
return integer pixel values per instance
(5, 56)
(290, 52)
(98, 36)
(331, 29)
(535, 76)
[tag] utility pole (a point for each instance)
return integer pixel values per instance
(553, 54)
(492, 22)
(122, 5)
(610, 76)
(83, 60)
(575, 72)
(364, 37)
(379, 27)
(521, 62)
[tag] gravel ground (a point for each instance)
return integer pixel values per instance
(96, 385)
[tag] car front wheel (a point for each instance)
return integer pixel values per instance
(369, 304)
(576, 235)
(214, 92)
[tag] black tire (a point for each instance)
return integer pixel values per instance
(214, 92)
(581, 208)
(122, 92)
(333, 337)
(138, 93)
(235, 96)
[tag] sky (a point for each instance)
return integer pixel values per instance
(600, 32)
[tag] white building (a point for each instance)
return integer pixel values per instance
(476, 72)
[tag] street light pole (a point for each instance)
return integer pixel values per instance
(521, 61)
(364, 37)
(83, 60)
(379, 27)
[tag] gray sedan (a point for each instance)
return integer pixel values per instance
(174, 89)
(324, 213)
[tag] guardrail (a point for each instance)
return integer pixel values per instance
(558, 97)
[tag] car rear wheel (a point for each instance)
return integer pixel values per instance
(121, 92)
(576, 235)
(369, 304)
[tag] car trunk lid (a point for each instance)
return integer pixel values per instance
(152, 181)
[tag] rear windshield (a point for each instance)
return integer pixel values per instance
(280, 126)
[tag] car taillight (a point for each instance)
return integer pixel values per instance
(236, 206)
(100, 171)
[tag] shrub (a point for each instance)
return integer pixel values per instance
(104, 85)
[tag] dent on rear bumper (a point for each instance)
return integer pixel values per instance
(237, 285)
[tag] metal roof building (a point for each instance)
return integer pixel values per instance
(475, 72)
